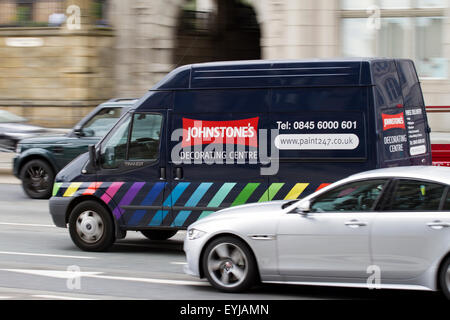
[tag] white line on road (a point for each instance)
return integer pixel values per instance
(26, 224)
(45, 255)
(178, 262)
(99, 275)
(45, 296)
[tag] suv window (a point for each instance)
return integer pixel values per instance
(354, 196)
(410, 195)
(101, 122)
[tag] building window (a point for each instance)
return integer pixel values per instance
(398, 29)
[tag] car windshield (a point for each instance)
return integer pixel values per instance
(8, 117)
(102, 122)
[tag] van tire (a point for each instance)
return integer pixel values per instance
(37, 179)
(444, 278)
(159, 234)
(245, 262)
(91, 227)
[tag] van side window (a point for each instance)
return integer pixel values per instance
(114, 150)
(145, 135)
(412, 195)
(355, 196)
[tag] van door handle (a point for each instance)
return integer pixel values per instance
(162, 173)
(355, 223)
(178, 173)
(438, 225)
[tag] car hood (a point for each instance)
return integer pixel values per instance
(20, 128)
(45, 139)
(263, 208)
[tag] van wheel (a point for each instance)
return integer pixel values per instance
(91, 227)
(159, 234)
(444, 278)
(37, 179)
(229, 265)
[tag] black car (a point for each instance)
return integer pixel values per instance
(14, 128)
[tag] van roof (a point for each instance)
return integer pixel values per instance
(272, 73)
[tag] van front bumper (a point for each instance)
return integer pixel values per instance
(58, 209)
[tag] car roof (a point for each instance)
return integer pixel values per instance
(434, 173)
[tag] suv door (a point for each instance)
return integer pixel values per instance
(410, 232)
(333, 239)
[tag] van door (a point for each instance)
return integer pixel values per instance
(132, 162)
(214, 159)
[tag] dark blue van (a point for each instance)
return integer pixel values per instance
(214, 135)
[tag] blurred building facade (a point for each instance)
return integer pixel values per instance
(122, 48)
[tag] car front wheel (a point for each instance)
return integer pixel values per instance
(229, 265)
(444, 278)
(91, 227)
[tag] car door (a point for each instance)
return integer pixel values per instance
(411, 232)
(332, 240)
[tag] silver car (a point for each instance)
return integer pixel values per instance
(386, 228)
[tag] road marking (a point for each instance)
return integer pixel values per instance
(27, 224)
(45, 255)
(153, 280)
(178, 262)
(45, 296)
(54, 273)
(99, 275)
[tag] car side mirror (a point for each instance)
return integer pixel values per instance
(304, 207)
(78, 132)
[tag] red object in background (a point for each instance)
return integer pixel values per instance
(441, 154)
(440, 151)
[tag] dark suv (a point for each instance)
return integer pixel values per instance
(39, 159)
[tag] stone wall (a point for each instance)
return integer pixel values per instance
(58, 79)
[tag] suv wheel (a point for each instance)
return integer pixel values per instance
(91, 226)
(37, 179)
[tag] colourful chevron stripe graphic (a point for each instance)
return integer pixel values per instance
(184, 194)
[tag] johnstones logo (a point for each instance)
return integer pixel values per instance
(242, 132)
(391, 121)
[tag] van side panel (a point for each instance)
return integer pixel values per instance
(401, 124)
(333, 131)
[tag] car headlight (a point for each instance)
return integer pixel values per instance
(195, 234)
(18, 148)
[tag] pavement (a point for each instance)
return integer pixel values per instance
(6, 175)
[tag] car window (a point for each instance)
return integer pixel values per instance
(354, 196)
(144, 141)
(447, 202)
(101, 122)
(412, 195)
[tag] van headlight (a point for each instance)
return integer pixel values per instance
(193, 234)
